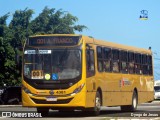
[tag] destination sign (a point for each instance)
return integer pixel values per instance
(38, 52)
(54, 40)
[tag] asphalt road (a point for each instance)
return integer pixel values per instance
(144, 111)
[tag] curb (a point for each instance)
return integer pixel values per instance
(156, 101)
(10, 105)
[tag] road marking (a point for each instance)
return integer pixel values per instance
(10, 105)
(156, 118)
(2, 117)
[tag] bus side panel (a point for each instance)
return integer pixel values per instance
(150, 88)
(127, 84)
(126, 98)
(90, 99)
(112, 96)
(146, 89)
(90, 91)
(142, 97)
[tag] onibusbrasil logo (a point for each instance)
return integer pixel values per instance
(21, 115)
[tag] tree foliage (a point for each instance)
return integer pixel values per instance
(14, 34)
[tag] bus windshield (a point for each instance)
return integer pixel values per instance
(55, 64)
(157, 88)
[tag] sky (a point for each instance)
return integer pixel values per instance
(111, 20)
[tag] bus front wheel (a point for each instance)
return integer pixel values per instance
(134, 104)
(97, 107)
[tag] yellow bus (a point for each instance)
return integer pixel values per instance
(68, 72)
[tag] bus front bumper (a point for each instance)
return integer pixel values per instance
(75, 100)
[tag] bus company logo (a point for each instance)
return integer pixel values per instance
(51, 92)
(6, 114)
(124, 82)
(144, 15)
(21, 115)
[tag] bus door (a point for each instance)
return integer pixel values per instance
(90, 79)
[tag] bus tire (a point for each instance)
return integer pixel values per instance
(133, 106)
(97, 107)
(44, 111)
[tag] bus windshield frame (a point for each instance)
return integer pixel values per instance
(52, 64)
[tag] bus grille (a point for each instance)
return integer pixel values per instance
(52, 84)
(52, 102)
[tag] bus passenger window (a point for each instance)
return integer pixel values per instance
(138, 59)
(115, 60)
(131, 63)
(107, 65)
(123, 61)
(107, 59)
(100, 65)
(100, 59)
(124, 67)
(150, 70)
(145, 69)
(131, 67)
(145, 64)
(138, 69)
(90, 63)
(150, 65)
(115, 66)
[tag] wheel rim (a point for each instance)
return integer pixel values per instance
(134, 102)
(98, 103)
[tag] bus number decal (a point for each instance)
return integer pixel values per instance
(61, 92)
(37, 74)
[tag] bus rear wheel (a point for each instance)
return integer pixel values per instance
(44, 111)
(134, 104)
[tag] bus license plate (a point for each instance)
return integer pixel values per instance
(51, 99)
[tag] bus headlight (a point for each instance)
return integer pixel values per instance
(78, 89)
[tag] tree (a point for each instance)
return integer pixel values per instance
(13, 36)
(20, 26)
(51, 21)
(7, 63)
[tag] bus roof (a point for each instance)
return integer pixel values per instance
(104, 43)
(55, 35)
(118, 46)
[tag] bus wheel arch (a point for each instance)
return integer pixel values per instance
(100, 92)
(134, 102)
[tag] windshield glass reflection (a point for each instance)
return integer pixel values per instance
(56, 64)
